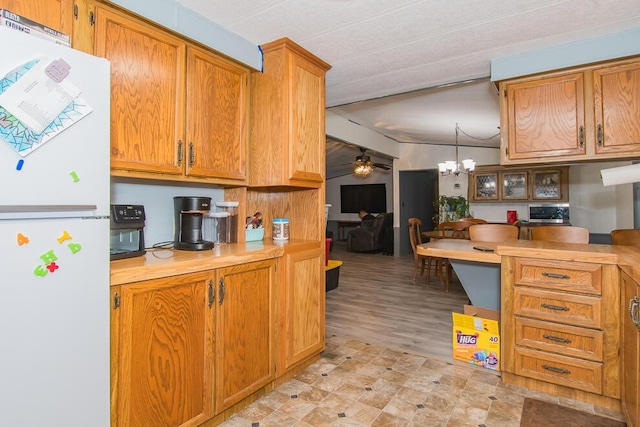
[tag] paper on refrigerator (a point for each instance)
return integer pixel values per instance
(37, 99)
(17, 134)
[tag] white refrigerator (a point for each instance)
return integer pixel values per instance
(54, 235)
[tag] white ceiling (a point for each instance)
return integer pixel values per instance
(379, 48)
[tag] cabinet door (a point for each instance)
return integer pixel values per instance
(617, 111)
(301, 307)
(514, 186)
(56, 14)
(548, 185)
(164, 361)
(630, 352)
(307, 138)
(244, 331)
(545, 117)
(147, 93)
(485, 186)
(216, 116)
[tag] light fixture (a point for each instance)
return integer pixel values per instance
(362, 167)
(453, 167)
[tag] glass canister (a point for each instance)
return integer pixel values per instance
(230, 226)
(215, 230)
(280, 229)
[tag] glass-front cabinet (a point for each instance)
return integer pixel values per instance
(547, 185)
(485, 186)
(496, 183)
(514, 186)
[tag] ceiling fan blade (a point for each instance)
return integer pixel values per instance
(381, 166)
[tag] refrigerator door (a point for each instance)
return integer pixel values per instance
(54, 322)
(54, 237)
(72, 167)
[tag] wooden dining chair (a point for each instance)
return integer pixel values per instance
(458, 228)
(474, 220)
(493, 232)
(627, 237)
(560, 234)
(432, 263)
(416, 239)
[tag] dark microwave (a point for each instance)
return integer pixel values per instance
(551, 213)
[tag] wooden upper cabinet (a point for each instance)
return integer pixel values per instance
(178, 111)
(56, 14)
(287, 138)
(147, 79)
(545, 117)
(216, 116)
(588, 113)
(617, 108)
(162, 352)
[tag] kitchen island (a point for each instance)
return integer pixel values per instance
(561, 309)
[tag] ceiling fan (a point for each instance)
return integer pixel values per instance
(363, 165)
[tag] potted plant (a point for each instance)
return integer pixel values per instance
(451, 208)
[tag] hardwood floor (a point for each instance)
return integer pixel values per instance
(376, 301)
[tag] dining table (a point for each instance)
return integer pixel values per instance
(476, 264)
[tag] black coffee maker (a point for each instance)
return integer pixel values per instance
(189, 215)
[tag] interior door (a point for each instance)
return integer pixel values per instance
(418, 191)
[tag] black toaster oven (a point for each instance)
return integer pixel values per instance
(127, 231)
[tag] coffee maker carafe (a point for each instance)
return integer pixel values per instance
(189, 213)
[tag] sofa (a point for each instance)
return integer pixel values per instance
(371, 235)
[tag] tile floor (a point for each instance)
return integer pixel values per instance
(358, 384)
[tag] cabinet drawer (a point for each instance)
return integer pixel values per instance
(561, 370)
(559, 275)
(556, 338)
(577, 310)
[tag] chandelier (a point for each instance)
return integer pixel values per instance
(362, 167)
(453, 167)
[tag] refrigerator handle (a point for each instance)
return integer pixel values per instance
(47, 211)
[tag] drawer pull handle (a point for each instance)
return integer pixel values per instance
(555, 307)
(556, 275)
(557, 339)
(556, 370)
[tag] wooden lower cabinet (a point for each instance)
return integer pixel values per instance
(245, 331)
(560, 327)
(185, 348)
(301, 307)
(630, 351)
(162, 352)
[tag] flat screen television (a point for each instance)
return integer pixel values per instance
(368, 197)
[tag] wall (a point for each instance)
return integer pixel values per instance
(157, 198)
(425, 156)
(598, 208)
(332, 188)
